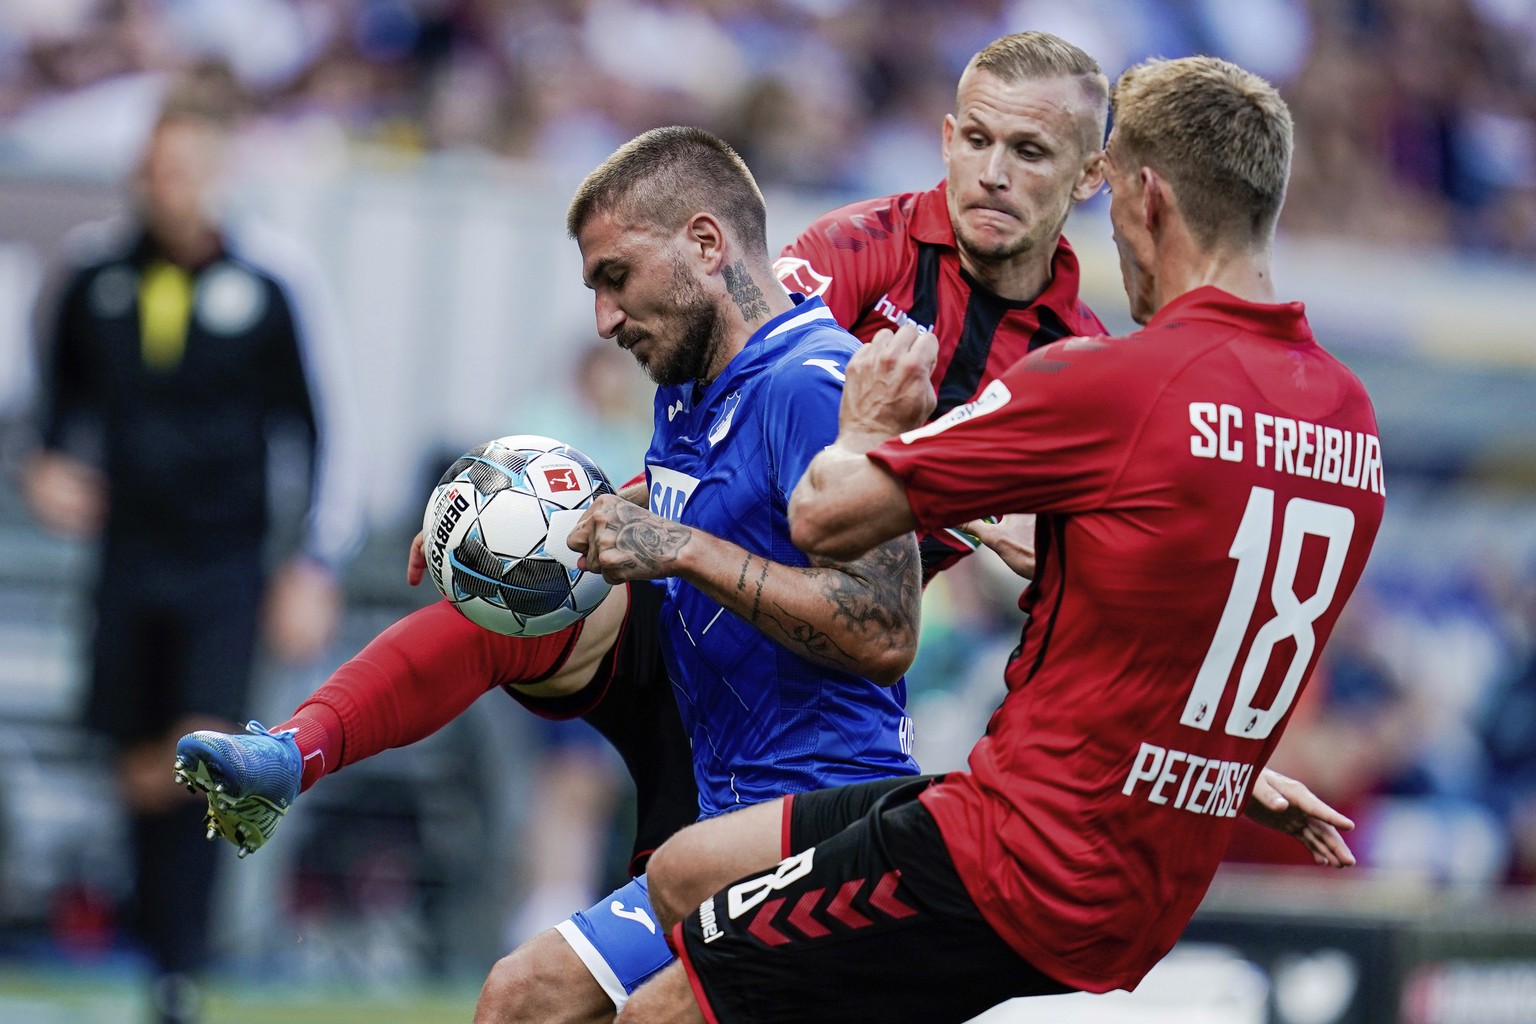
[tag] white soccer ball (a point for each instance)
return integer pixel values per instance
(488, 540)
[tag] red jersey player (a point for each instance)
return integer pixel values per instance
(978, 260)
(1208, 491)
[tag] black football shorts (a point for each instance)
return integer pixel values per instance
(869, 923)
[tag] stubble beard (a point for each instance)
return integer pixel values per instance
(699, 326)
(996, 253)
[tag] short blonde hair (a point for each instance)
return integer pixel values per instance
(1027, 55)
(1220, 135)
(665, 176)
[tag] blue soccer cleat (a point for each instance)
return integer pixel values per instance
(250, 780)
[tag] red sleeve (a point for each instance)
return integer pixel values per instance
(850, 257)
(1052, 434)
(423, 672)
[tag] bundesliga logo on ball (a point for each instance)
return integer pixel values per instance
(494, 535)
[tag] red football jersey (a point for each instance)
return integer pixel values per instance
(1208, 489)
(883, 262)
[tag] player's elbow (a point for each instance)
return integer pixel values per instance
(816, 528)
(887, 651)
(889, 666)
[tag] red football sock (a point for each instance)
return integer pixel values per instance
(319, 734)
(414, 678)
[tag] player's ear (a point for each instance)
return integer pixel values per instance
(706, 240)
(948, 135)
(1155, 199)
(1091, 179)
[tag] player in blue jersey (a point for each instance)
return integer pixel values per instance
(770, 700)
(787, 674)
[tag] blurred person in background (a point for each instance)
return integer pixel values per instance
(1508, 729)
(176, 345)
(1428, 97)
(605, 410)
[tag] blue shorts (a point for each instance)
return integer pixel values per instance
(619, 940)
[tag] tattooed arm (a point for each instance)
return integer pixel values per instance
(860, 616)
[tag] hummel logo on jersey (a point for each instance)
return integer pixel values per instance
(638, 914)
(670, 491)
(708, 923)
(673, 410)
(797, 275)
(886, 308)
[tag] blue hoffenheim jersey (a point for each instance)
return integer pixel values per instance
(763, 721)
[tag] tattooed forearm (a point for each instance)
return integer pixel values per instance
(872, 610)
(745, 292)
(757, 599)
(645, 541)
(860, 617)
(804, 638)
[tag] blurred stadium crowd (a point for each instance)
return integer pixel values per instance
(1416, 126)
(1416, 118)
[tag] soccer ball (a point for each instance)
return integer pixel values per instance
(487, 535)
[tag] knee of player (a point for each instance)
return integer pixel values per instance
(640, 1011)
(672, 882)
(665, 999)
(528, 985)
(636, 1012)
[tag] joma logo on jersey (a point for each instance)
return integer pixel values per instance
(670, 491)
(888, 309)
(638, 915)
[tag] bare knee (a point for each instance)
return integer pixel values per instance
(676, 881)
(542, 982)
(665, 999)
(701, 859)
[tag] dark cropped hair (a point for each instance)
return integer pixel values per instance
(667, 175)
